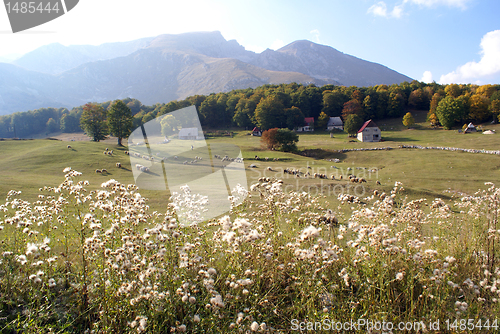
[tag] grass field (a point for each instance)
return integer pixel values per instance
(30, 164)
(78, 257)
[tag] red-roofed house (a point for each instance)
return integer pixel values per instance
(369, 132)
(256, 132)
(309, 124)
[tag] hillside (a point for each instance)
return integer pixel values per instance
(170, 67)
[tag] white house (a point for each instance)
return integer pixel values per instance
(369, 132)
(309, 125)
(188, 133)
(335, 123)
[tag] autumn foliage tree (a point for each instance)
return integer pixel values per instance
(268, 138)
(352, 107)
(408, 120)
(478, 109)
(283, 139)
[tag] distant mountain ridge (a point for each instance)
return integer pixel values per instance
(169, 67)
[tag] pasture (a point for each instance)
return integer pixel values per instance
(106, 257)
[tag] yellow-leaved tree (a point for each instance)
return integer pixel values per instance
(408, 120)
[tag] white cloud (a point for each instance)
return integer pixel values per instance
(380, 9)
(277, 44)
(427, 77)
(315, 32)
(397, 11)
(476, 71)
(462, 4)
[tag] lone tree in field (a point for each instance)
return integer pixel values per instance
(93, 121)
(449, 111)
(283, 139)
(287, 140)
(120, 121)
(408, 120)
(268, 138)
(352, 124)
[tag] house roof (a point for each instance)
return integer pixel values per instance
(335, 121)
(368, 124)
(309, 120)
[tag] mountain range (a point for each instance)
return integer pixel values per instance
(170, 67)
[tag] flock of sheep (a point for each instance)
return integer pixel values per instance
(266, 158)
(227, 158)
(291, 171)
(298, 173)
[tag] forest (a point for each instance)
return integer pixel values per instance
(286, 106)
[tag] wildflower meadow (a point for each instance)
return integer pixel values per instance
(100, 261)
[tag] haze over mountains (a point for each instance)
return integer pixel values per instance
(170, 67)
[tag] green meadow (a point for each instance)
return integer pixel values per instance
(28, 165)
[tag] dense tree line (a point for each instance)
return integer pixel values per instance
(457, 104)
(286, 106)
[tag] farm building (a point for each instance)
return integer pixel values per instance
(309, 125)
(335, 123)
(256, 132)
(369, 132)
(470, 128)
(188, 133)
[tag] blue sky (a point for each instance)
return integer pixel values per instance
(442, 40)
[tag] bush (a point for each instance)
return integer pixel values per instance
(283, 139)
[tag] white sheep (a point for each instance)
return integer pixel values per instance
(119, 165)
(103, 171)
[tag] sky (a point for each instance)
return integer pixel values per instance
(447, 41)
